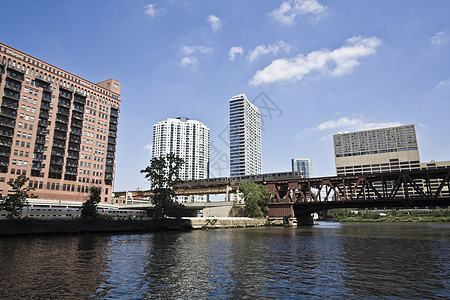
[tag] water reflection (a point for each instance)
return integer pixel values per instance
(50, 267)
(328, 260)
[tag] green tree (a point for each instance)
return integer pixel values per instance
(163, 173)
(89, 207)
(15, 202)
(255, 197)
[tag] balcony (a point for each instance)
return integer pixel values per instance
(113, 120)
(58, 152)
(46, 98)
(14, 76)
(63, 111)
(55, 169)
(77, 123)
(74, 147)
(5, 142)
(56, 161)
(75, 139)
(79, 99)
(59, 136)
(40, 140)
(64, 103)
(43, 114)
(5, 151)
(73, 155)
(77, 115)
(112, 127)
(114, 113)
(45, 106)
(71, 171)
(6, 133)
(109, 162)
(10, 104)
(62, 119)
(7, 123)
(78, 108)
(36, 166)
(59, 144)
(112, 134)
(13, 86)
(75, 131)
(11, 95)
(72, 163)
(111, 141)
(8, 113)
(110, 154)
(43, 84)
(108, 169)
(111, 148)
(61, 128)
(65, 95)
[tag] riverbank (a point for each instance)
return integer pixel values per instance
(405, 215)
(389, 219)
(26, 227)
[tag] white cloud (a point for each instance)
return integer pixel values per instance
(347, 124)
(440, 38)
(443, 83)
(188, 50)
(337, 62)
(152, 11)
(273, 49)
(215, 23)
(189, 60)
(290, 9)
(235, 51)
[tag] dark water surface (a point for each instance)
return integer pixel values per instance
(330, 260)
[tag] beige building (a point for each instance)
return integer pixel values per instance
(375, 151)
(56, 128)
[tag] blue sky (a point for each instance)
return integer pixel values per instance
(314, 67)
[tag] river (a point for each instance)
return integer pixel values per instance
(329, 260)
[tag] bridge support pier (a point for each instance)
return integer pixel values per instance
(305, 220)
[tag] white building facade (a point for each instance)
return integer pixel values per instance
(245, 137)
(189, 140)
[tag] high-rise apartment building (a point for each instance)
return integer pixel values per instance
(189, 140)
(390, 149)
(302, 165)
(245, 137)
(56, 128)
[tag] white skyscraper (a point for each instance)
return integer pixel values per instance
(189, 140)
(245, 137)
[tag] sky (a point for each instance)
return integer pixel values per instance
(313, 67)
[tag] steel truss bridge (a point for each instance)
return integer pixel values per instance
(406, 189)
(300, 197)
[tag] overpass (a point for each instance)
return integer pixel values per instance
(300, 197)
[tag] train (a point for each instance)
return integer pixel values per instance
(237, 180)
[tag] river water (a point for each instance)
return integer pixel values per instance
(329, 260)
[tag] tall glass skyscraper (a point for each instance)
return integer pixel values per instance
(189, 140)
(245, 137)
(302, 165)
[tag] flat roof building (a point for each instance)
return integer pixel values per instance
(189, 140)
(375, 151)
(56, 128)
(245, 137)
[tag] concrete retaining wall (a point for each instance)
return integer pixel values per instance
(202, 223)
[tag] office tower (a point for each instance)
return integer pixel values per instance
(302, 165)
(56, 128)
(390, 149)
(189, 140)
(245, 137)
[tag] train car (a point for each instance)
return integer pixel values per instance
(283, 176)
